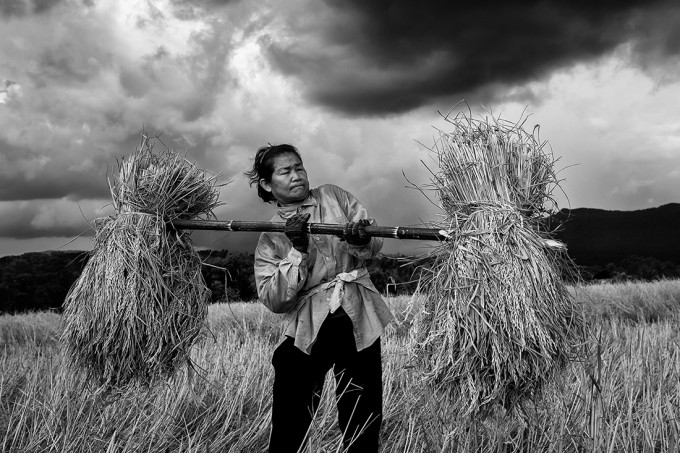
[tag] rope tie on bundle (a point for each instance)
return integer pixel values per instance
(515, 216)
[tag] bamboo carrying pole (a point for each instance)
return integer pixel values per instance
(313, 228)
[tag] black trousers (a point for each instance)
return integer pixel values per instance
(298, 382)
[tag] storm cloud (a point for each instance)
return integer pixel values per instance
(78, 88)
(391, 56)
(21, 8)
(354, 84)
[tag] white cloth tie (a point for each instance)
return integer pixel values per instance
(339, 281)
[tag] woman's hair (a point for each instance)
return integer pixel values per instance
(263, 167)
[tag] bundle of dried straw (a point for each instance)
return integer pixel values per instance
(141, 301)
(498, 321)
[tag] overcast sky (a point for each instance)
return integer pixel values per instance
(354, 84)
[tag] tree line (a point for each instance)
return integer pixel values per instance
(633, 267)
(41, 281)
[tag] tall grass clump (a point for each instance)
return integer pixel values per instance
(635, 301)
(497, 321)
(141, 301)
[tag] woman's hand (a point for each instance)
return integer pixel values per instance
(355, 232)
(296, 231)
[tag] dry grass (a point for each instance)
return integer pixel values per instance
(35, 328)
(141, 302)
(498, 321)
(651, 301)
(625, 397)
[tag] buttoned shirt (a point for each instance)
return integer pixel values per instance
(303, 286)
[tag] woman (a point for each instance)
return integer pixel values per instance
(333, 315)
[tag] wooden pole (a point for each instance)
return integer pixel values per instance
(314, 228)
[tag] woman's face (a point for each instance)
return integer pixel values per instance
(289, 183)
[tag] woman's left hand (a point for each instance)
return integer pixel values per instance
(355, 232)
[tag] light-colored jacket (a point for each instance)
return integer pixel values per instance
(302, 286)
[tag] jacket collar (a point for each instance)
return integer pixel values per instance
(287, 211)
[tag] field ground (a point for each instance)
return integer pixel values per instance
(625, 397)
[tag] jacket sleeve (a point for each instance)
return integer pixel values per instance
(278, 279)
(355, 211)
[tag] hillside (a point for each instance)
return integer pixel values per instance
(38, 280)
(598, 237)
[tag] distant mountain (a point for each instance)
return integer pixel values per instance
(598, 236)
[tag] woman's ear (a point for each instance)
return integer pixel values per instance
(265, 185)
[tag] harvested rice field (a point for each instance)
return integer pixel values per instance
(625, 396)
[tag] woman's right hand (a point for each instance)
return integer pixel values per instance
(296, 231)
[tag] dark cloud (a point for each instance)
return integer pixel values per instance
(80, 174)
(42, 197)
(40, 6)
(658, 41)
(68, 66)
(202, 3)
(10, 8)
(28, 175)
(53, 185)
(391, 56)
(17, 225)
(208, 73)
(20, 225)
(21, 8)
(191, 9)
